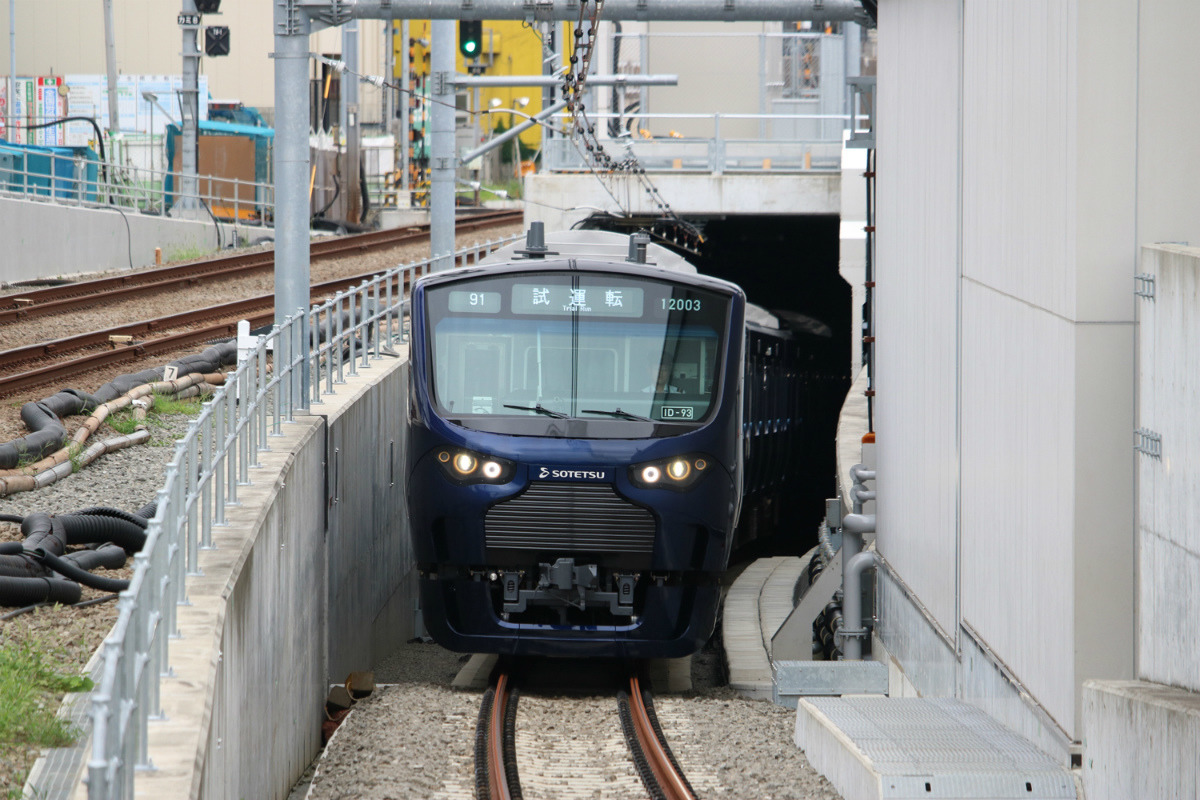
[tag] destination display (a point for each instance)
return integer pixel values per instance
(478, 302)
(594, 301)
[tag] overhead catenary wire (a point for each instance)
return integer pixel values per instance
(574, 84)
(629, 164)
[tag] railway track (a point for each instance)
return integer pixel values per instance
(204, 324)
(496, 774)
(72, 296)
(41, 364)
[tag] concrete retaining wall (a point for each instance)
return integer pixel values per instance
(1141, 737)
(310, 579)
(1140, 740)
(44, 240)
(371, 587)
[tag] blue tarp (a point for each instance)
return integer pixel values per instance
(33, 169)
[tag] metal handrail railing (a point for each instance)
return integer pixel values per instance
(716, 153)
(210, 463)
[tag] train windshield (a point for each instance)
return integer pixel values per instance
(577, 346)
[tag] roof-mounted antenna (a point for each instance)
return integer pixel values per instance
(638, 242)
(535, 242)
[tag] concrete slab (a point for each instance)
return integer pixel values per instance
(474, 674)
(671, 675)
(796, 679)
(1140, 740)
(879, 747)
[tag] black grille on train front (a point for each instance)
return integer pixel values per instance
(570, 517)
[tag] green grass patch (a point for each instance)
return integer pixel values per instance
(75, 451)
(166, 404)
(26, 458)
(187, 252)
(123, 422)
(29, 689)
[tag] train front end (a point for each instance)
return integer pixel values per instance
(574, 457)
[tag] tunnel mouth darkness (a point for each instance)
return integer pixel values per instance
(788, 264)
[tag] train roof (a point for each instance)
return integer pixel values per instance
(598, 245)
(614, 247)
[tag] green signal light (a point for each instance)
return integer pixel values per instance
(470, 34)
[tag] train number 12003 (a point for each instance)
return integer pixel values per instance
(681, 303)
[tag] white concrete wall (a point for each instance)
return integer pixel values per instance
(916, 298)
(1142, 736)
(1024, 152)
(1168, 500)
(560, 200)
(1141, 740)
(43, 240)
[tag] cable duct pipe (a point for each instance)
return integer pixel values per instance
(25, 567)
(44, 419)
(91, 529)
(28, 591)
(80, 576)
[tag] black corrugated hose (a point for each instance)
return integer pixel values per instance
(30, 569)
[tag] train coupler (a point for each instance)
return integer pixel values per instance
(565, 584)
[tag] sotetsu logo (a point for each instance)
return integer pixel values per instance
(572, 474)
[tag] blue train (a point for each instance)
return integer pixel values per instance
(587, 419)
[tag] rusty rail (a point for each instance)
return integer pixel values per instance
(222, 319)
(665, 778)
(57, 299)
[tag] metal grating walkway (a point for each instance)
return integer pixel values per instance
(908, 748)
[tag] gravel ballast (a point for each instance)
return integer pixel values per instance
(415, 738)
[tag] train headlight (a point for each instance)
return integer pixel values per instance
(680, 472)
(465, 466)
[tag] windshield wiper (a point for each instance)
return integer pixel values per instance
(539, 409)
(616, 413)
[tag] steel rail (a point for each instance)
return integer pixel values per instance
(10, 384)
(145, 327)
(53, 300)
(498, 778)
(670, 781)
